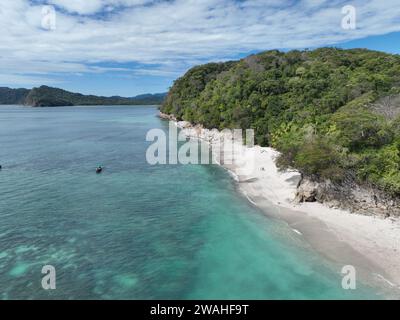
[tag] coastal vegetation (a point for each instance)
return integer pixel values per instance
(12, 96)
(332, 113)
(53, 97)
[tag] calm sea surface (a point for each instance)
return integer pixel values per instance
(136, 231)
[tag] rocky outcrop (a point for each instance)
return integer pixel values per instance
(348, 196)
(167, 116)
(307, 191)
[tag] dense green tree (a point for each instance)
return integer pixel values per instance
(332, 113)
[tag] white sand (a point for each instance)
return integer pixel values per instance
(368, 242)
(375, 238)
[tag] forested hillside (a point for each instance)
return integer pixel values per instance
(12, 96)
(45, 96)
(334, 114)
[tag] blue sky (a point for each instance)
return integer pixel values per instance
(129, 47)
(387, 43)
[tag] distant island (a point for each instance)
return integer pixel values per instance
(333, 114)
(45, 96)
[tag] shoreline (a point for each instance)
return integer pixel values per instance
(369, 243)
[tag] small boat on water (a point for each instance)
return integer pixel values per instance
(99, 169)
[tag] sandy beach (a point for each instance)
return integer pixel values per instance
(370, 244)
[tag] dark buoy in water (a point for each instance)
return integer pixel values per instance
(99, 169)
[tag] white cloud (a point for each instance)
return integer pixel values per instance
(79, 6)
(172, 35)
(88, 7)
(26, 81)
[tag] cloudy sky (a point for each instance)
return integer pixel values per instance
(128, 47)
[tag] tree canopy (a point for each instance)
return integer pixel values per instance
(332, 113)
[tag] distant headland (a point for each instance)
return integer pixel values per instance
(45, 96)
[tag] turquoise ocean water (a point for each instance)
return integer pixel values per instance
(136, 231)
